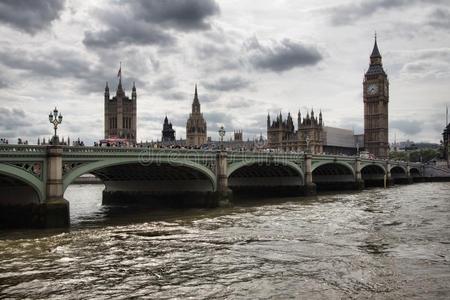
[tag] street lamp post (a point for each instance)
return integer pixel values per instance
(221, 134)
(357, 149)
(55, 119)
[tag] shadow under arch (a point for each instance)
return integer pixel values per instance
(265, 178)
(399, 174)
(95, 168)
(373, 175)
(333, 176)
(26, 178)
(415, 172)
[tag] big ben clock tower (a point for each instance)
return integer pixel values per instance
(376, 100)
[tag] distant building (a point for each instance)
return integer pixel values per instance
(168, 133)
(238, 135)
(196, 125)
(120, 114)
(311, 133)
(281, 133)
(342, 141)
(376, 100)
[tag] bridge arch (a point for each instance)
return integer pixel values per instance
(265, 178)
(92, 167)
(415, 172)
(23, 176)
(398, 169)
(323, 164)
(236, 166)
(373, 174)
(333, 175)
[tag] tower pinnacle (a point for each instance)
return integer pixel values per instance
(196, 102)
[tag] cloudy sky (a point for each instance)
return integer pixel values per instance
(248, 58)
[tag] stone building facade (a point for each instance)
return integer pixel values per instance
(238, 136)
(376, 100)
(168, 133)
(196, 130)
(281, 134)
(120, 114)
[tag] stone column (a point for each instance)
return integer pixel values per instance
(310, 187)
(55, 209)
(389, 180)
(359, 182)
(223, 193)
(409, 178)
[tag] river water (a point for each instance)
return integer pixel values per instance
(377, 244)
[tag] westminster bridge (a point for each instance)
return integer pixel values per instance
(33, 178)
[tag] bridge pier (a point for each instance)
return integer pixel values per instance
(55, 209)
(310, 187)
(223, 193)
(409, 178)
(21, 207)
(359, 182)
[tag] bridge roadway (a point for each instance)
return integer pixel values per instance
(33, 178)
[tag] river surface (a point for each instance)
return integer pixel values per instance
(377, 244)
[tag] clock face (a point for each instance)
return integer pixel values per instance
(372, 89)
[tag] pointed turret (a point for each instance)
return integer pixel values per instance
(375, 57)
(107, 91)
(320, 118)
(375, 51)
(268, 120)
(196, 102)
(133, 92)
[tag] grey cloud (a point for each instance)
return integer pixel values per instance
(228, 83)
(350, 13)
(60, 63)
(180, 14)
(240, 103)
(409, 127)
(208, 50)
(3, 83)
(440, 18)
(165, 83)
(172, 95)
(129, 32)
(215, 119)
(281, 56)
(431, 63)
(53, 63)
(15, 123)
(30, 16)
(149, 22)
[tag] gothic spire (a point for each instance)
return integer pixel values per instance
(375, 51)
(119, 87)
(196, 102)
(107, 91)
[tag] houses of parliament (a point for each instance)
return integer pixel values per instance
(311, 133)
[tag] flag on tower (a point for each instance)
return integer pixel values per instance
(119, 74)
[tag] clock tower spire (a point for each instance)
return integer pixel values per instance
(376, 100)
